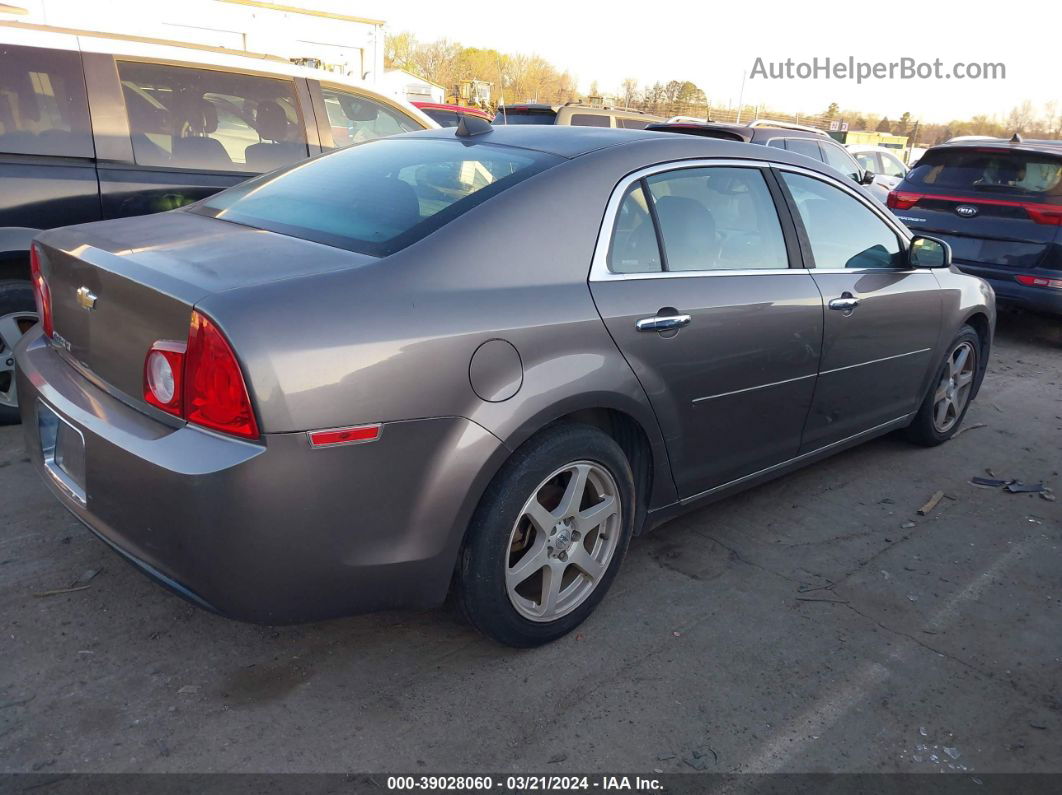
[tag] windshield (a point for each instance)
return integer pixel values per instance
(990, 171)
(378, 197)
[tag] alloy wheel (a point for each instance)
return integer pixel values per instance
(563, 541)
(12, 327)
(953, 391)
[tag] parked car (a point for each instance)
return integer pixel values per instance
(998, 203)
(574, 114)
(305, 396)
(797, 138)
(884, 164)
(95, 126)
(450, 115)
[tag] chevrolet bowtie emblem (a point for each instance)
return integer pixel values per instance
(86, 298)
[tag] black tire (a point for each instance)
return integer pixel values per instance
(481, 577)
(922, 429)
(16, 297)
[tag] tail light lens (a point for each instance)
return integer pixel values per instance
(1039, 281)
(215, 395)
(42, 294)
(901, 200)
(200, 381)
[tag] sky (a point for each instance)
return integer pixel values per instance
(713, 44)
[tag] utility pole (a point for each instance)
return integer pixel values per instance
(741, 96)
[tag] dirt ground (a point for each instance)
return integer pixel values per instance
(817, 623)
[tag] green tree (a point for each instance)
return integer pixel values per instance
(832, 111)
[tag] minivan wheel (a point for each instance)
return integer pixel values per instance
(949, 395)
(548, 536)
(18, 314)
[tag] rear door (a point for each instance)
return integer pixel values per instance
(698, 280)
(882, 318)
(47, 168)
(190, 131)
(1000, 207)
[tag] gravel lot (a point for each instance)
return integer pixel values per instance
(817, 623)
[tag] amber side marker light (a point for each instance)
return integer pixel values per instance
(333, 437)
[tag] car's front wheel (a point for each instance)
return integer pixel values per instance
(945, 406)
(548, 536)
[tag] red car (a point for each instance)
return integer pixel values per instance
(450, 115)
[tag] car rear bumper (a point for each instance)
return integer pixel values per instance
(273, 531)
(1008, 290)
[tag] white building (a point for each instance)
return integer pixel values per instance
(406, 85)
(350, 45)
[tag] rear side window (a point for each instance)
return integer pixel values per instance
(997, 171)
(355, 118)
(634, 247)
(507, 116)
(378, 197)
(843, 232)
(590, 120)
(43, 106)
(211, 120)
(633, 124)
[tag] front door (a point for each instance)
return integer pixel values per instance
(698, 292)
(882, 318)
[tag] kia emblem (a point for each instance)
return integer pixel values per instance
(966, 210)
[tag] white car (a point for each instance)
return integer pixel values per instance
(887, 168)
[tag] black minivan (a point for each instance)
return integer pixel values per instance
(999, 204)
(95, 126)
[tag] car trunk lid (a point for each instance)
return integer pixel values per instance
(116, 290)
(997, 206)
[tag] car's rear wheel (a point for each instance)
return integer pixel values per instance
(18, 314)
(949, 396)
(548, 536)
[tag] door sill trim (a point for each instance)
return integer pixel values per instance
(796, 459)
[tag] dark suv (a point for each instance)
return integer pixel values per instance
(92, 128)
(805, 141)
(999, 204)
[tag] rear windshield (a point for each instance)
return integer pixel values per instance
(378, 197)
(990, 171)
(506, 116)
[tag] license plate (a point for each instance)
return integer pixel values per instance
(63, 448)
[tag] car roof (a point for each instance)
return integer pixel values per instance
(573, 142)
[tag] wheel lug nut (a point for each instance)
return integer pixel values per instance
(563, 556)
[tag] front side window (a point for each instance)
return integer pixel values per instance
(839, 159)
(355, 118)
(378, 197)
(891, 165)
(804, 146)
(589, 120)
(843, 232)
(43, 106)
(868, 161)
(717, 218)
(212, 120)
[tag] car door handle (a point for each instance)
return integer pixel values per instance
(662, 322)
(845, 303)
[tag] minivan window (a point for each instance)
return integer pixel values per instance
(590, 120)
(209, 119)
(355, 118)
(633, 124)
(378, 197)
(844, 232)
(717, 218)
(989, 171)
(43, 106)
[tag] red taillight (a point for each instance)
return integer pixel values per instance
(164, 376)
(1039, 281)
(334, 436)
(1052, 216)
(42, 294)
(200, 381)
(902, 200)
(215, 395)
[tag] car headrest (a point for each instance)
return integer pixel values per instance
(270, 121)
(202, 117)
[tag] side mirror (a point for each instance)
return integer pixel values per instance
(928, 252)
(867, 178)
